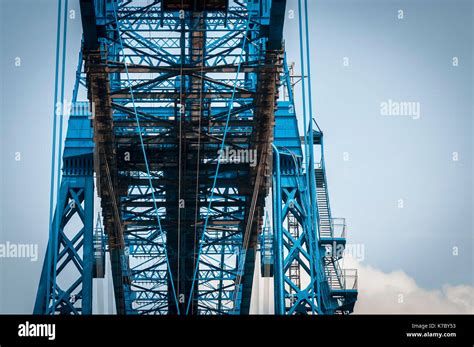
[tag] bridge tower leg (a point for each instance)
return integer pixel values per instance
(308, 241)
(66, 280)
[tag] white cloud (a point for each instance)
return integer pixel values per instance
(384, 293)
(396, 292)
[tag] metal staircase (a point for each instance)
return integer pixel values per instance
(325, 229)
(266, 250)
(342, 283)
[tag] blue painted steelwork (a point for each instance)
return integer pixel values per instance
(174, 90)
(66, 279)
(306, 259)
(178, 88)
(309, 242)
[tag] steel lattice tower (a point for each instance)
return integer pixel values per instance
(174, 89)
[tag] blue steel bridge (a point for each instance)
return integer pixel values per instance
(171, 85)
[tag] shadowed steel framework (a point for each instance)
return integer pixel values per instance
(169, 87)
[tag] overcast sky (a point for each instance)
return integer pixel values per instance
(363, 55)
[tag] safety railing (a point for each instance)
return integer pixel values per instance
(350, 278)
(342, 279)
(338, 228)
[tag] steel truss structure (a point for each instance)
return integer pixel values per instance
(185, 137)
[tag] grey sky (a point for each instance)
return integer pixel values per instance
(390, 157)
